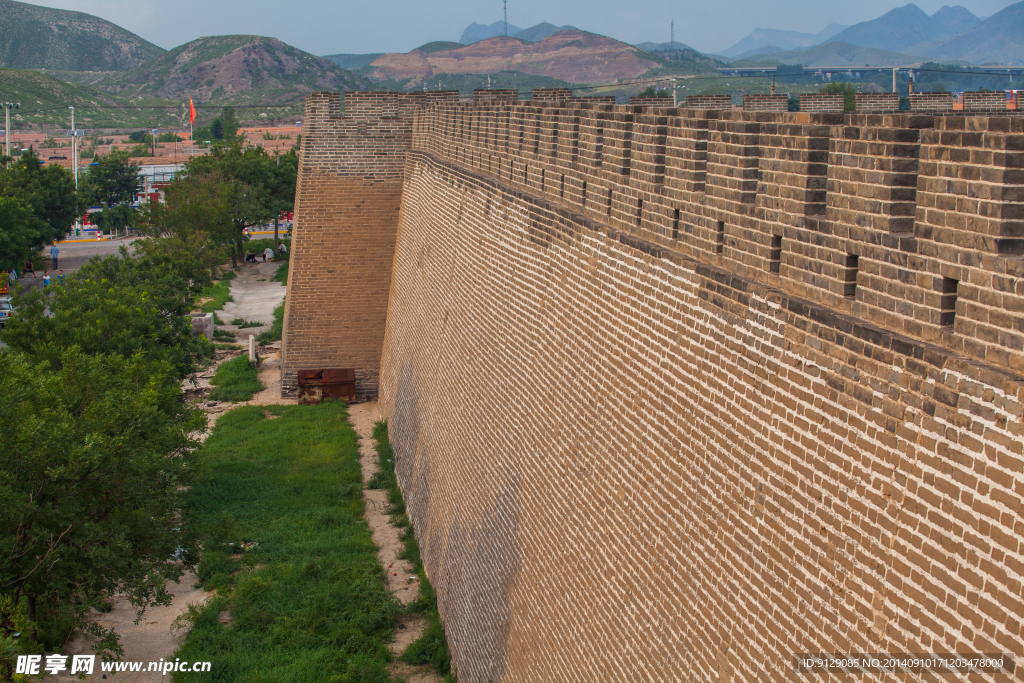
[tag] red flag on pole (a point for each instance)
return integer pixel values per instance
(191, 111)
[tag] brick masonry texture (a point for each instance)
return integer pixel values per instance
(822, 102)
(346, 215)
(676, 393)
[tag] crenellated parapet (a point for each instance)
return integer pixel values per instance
(895, 218)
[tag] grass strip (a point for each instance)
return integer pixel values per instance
(242, 323)
(273, 333)
(279, 508)
(236, 380)
(281, 274)
(219, 293)
(431, 648)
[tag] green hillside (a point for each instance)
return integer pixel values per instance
(836, 53)
(33, 37)
(999, 39)
(45, 101)
(234, 70)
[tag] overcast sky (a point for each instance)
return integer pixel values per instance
(346, 26)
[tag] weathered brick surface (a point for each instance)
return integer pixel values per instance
(822, 102)
(985, 101)
(877, 102)
(931, 101)
(627, 465)
(676, 393)
(708, 102)
(761, 102)
(346, 215)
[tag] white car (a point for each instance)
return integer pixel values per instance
(5, 309)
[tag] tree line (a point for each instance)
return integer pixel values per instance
(97, 442)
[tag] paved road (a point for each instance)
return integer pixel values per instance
(72, 256)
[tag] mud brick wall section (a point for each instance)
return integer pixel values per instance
(676, 393)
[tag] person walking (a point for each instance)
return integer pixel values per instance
(54, 251)
(46, 279)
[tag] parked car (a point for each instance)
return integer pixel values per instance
(5, 309)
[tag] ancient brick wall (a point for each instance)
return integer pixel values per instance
(347, 198)
(762, 102)
(985, 101)
(822, 102)
(877, 102)
(675, 394)
(931, 102)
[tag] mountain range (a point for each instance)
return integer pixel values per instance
(778, 39)
(953, 33)
(474, 33)
(572, 56)
(33, 37)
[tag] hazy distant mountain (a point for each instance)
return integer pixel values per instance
(476, 32)
(906, 27)
(34, 37)
(999, 39)
(664, 47)
(757, 51)
(352, 62)
(782, 40)
(541, 31)
(839, 54)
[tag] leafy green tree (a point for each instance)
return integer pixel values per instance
(191, 225)
(113, 182)
(124, 306)
(847, 90)
(38, 205)
(651, 92)
(16, 234)
(95, 452)
(258, 186)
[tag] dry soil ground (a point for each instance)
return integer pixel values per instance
(153, 638)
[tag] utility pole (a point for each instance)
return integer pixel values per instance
(505, 3)
(74, 147)
(8, 106)
(672, 35)
(894, 79)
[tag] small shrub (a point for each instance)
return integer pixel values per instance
(236, 380)
(219, 293)
(273, 334)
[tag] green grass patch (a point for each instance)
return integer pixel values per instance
(236, 380)
(242, 323)
(219, 293)
(431, 648)
(279, 508)
(227, 347)
(273, 333)
(224, 336)
(281, 274)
